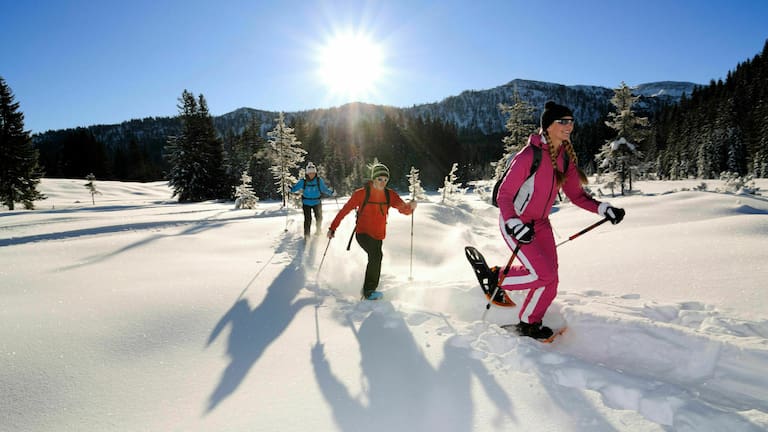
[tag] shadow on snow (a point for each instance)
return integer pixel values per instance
(404, 391)
(253, 330)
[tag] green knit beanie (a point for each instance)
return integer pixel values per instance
(378, 170)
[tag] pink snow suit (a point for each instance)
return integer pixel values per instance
(531, 200)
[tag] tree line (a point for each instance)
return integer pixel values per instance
(722, 127)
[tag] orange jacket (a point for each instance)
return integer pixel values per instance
(373, 219)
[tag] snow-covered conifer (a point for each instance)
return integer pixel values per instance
(621, 154)
(414, 186)
(451, 191)
(286, 154)
(245, 197)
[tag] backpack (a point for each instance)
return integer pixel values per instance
(534, 166)
(314, 182)
(368, 197)
(360, 210)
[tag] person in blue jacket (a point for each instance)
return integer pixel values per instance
(312, 187)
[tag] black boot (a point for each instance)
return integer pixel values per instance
(534, 330)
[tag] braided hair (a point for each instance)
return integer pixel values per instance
(560, 176)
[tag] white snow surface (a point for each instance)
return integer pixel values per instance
(143, 314)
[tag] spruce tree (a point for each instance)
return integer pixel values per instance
(286, 154)
(19, 169)
(414, 186)
(245, 198)
(451, 191)
(519, 125)
(621, 154)
(196, 156)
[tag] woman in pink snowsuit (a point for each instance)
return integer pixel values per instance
(525, 203)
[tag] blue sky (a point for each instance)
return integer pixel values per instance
(83, 62)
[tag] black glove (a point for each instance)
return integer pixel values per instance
(331, 233)
(522, 232)
(615, 215)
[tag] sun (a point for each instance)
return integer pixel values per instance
(351, 66)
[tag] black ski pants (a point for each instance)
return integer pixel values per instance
(318, 209)
(372, 247)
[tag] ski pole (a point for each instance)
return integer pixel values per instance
(496, 290)
(512, 258)
(410, 273)
(585, 230)
(323, 259)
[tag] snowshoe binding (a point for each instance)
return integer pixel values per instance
(488, 278)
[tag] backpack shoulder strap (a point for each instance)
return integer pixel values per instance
(360, 210)
(367, 196)
(534, 166)
(536, 160)
(365, 200)
(566, 159)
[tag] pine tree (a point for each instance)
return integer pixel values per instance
(244, 196)
(414, 186)
(451, 191)
(196, 156)
(92, 187)
(286, 154)
(519, 125)
(19, 170)
(622, 155)
(760, 164)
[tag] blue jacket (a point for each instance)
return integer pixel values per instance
(312, 190)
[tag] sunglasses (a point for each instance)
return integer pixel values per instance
(565, 122)
(382, 179)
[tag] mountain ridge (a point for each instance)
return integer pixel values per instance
(469, 110)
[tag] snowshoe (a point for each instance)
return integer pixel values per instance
(535, 331)
(488, 278)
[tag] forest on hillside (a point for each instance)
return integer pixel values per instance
(719, 127)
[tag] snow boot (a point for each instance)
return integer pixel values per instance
(374, 296)
(534, 330)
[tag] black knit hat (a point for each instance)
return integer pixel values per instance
(553, 111)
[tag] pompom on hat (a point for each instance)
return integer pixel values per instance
(553, 111)
(311, 168)
(378, 170)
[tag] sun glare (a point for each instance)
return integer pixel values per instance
(351, 66)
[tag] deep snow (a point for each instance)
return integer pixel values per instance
(139, 313)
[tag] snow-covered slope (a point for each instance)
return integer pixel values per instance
(143, 314)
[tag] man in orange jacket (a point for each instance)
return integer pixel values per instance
(371, 227)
